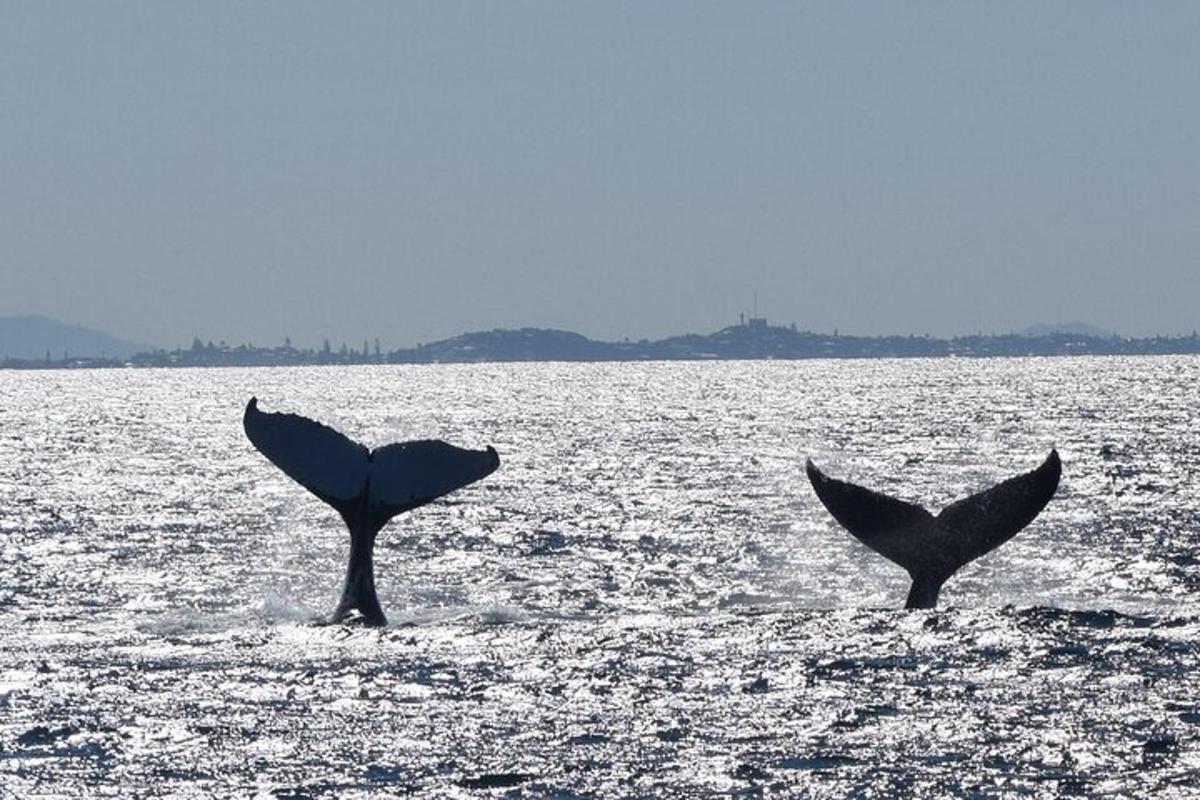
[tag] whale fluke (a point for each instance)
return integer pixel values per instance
(366, 487)
(931, 548)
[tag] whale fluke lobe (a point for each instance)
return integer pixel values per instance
(930, 548)
(366, 487)
(317, 457)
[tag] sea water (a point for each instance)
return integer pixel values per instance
(645, 599)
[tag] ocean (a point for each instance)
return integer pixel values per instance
(646, 599)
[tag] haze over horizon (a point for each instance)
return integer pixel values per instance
(412, 171)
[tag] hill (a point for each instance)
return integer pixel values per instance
(31, 337)
(1071, 328)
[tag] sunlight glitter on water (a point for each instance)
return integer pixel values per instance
(645, 598)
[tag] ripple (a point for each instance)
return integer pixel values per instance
(645, 599)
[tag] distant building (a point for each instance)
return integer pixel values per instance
(758, 323)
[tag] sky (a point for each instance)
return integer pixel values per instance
(411, 171)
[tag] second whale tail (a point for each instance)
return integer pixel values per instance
(932, 548)
(366, 487)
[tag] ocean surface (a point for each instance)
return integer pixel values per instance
(646, 599)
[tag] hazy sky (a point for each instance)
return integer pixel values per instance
(251, 171)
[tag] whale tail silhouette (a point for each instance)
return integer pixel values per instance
(366, 487)
(932, 548)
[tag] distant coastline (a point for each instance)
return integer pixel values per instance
(755, 339)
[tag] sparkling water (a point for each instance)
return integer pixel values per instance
(646, 598)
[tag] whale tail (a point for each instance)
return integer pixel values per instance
(932, 548)
(366, 487)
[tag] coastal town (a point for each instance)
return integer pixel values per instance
(753, 338)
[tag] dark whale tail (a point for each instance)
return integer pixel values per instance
(932, 548)
(367, 487)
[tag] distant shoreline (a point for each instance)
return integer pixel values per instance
(754, 341)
